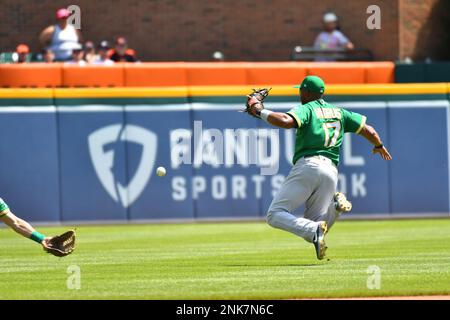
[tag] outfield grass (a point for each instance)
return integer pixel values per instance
(231, 260)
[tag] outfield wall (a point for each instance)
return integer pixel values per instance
(91, 154)
(163, 74)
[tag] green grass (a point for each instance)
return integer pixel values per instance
(231, 260)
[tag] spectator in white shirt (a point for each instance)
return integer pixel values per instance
(331, 37)
(89, 51)
(61, 37)
(77, 56)
(102, 57)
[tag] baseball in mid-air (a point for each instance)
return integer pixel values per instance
(161, 171)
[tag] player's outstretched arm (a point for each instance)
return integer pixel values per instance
(59, 246)
(278, 119)
(372, 136)
(21, 227)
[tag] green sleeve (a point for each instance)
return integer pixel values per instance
(3, 207)
(300, 114)
(353, 122)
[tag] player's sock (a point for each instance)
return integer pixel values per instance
(37, 236)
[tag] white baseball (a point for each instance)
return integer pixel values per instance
(161, 171)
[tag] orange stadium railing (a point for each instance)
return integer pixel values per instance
(155, 74)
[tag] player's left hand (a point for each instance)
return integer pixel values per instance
(254, 104)
(384, 153)
(61, 245)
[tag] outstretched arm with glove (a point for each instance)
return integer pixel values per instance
(255, 107)
(59, 246)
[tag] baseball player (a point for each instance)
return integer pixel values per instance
(314, 175)
(58, 246)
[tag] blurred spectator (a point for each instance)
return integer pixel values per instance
(89, 51)
(331, 37)
(48, 56)
(218, 56)
(22, 52)
(61, 37)
(102, 54)
(77, 56)
(296, 52)
(121, 52)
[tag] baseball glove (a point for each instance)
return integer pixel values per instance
(61, 245)
(255, 102)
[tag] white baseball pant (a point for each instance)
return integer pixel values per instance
(312, 181)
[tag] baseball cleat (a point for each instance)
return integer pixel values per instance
(319, 241)
(341, 202)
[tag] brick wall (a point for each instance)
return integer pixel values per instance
(424, 29)
(192, 30)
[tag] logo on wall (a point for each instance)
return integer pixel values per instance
(103, 160)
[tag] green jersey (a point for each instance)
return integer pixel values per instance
(321, 128)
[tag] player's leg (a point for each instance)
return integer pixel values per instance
(318, 203)
(319, 206)
(19, 225)
(325, 204)
(295, 190)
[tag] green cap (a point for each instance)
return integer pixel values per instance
(313, 84)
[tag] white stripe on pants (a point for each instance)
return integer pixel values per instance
(312, 181)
